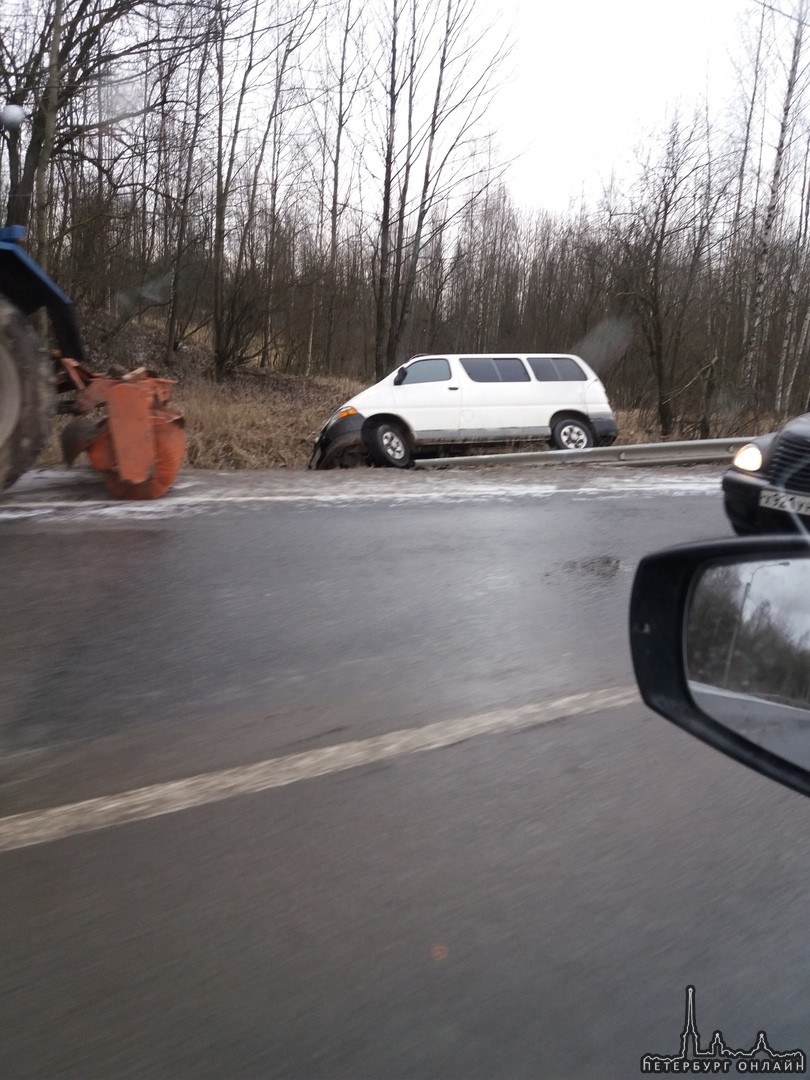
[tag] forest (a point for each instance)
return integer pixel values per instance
(314, 187)
(750, 644)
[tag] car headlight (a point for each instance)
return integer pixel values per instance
(341, 414)
(748, 458)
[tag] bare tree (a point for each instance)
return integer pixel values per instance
(769, 222)
(96, 37)
(664, 237)
(429, 134)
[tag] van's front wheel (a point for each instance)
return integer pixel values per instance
(387, 445)
(571, 434)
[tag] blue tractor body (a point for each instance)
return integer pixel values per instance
(28, 287)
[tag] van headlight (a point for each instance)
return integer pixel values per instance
(341, 414)
(748, 458)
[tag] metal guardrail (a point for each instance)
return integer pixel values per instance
(692, 452)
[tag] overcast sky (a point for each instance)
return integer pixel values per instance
(590, 78)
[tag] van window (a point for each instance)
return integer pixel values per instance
(427, 371)
(511, 369)
(569, 369)
(544, 369)
(491, 369)
(556, 369)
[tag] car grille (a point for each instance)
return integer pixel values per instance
(790, 464)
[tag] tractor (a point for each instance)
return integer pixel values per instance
(123, 421)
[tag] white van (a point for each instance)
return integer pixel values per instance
(435, 402)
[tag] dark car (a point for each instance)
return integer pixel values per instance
(767, 487)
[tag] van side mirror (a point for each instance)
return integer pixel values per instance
(720, 637)
(399, 378)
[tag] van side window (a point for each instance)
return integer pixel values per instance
(511, 369)
(480, 369)
(556, 369)
(544, 369)
(569, 369)
(489, 369)
(427, 371)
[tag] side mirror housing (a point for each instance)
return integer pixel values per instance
(720, 639)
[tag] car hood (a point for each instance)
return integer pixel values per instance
(376, 397)
(798, 427)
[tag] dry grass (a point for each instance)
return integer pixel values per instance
(639, 426)
(258, 422)
(267, 420)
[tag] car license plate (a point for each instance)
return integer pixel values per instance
(782, 500)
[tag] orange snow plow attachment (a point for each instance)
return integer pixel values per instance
(126, 427)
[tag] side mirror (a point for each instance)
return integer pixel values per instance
(399, 378)
(720, 637)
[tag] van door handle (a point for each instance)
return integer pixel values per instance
(452, 388)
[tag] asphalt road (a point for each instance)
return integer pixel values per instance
(407, 855)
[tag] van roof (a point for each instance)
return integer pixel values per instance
(493, 355)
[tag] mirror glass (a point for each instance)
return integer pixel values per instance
(747, 645)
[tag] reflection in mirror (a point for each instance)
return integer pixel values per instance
(748, 651)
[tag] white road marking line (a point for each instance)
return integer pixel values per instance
(156, 800)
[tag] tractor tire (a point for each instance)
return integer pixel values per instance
(27, 394)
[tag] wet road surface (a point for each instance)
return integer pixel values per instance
(524, 899)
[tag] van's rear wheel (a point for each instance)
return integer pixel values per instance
(387, 445)
(571, 434)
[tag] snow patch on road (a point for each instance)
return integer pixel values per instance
(55, 495)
